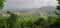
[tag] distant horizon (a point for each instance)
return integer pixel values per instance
(48, 8)
(29, 8)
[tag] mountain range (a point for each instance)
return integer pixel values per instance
(44, 11)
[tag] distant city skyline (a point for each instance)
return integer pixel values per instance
(29, 3)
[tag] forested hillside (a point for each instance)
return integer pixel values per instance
(35, 19)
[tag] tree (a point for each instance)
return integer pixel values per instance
(58, 6)
(57, 23)
(40, 22)
(11, 20)
(1, 4)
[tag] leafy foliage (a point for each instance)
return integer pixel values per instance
(1, 3)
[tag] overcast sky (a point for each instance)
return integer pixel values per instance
(29, 3)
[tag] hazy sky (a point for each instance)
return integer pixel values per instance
(29, 3)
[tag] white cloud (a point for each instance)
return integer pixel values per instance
(29, 3)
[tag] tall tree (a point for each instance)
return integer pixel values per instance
(57, 24)
(1, 6)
